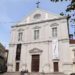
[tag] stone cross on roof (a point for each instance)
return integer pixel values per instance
(38, 4)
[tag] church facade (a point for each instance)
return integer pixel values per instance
(40, 43)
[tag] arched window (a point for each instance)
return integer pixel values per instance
(37, 16)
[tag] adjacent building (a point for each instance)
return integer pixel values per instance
(3, 58)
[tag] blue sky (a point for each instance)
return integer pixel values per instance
(12, 11)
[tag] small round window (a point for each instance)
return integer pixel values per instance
(37, 16)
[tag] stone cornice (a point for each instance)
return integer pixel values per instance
(72, 45)
(49, 20)
(67, 63)
(46, 41)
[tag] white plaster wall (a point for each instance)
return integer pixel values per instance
(11, 58)
(63, 29)
(72, 47)
(44, 43)
(43, 61)
(45, 32)
(65, 57)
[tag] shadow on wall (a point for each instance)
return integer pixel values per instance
(72, 74)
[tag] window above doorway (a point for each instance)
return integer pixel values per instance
(20, 35)
(54, 32)
(36, 34)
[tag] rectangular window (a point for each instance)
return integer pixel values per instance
(54, 32)
(18, 51)
(36, 34)
(20, 36)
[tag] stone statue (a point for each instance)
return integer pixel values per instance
(55, 48)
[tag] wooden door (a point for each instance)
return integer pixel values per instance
(56, 67)
(17, 66)
(35, 63)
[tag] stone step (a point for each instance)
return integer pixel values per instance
(34, 73)
(52, 73)
(12, 73)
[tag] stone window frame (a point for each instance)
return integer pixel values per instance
(36, 34)
(20, 34)
(36, 28)
(55, 27)
(54, 32)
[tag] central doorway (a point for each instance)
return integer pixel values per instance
(35, 63)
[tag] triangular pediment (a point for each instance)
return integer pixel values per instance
(38, 15)
(35, 50)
